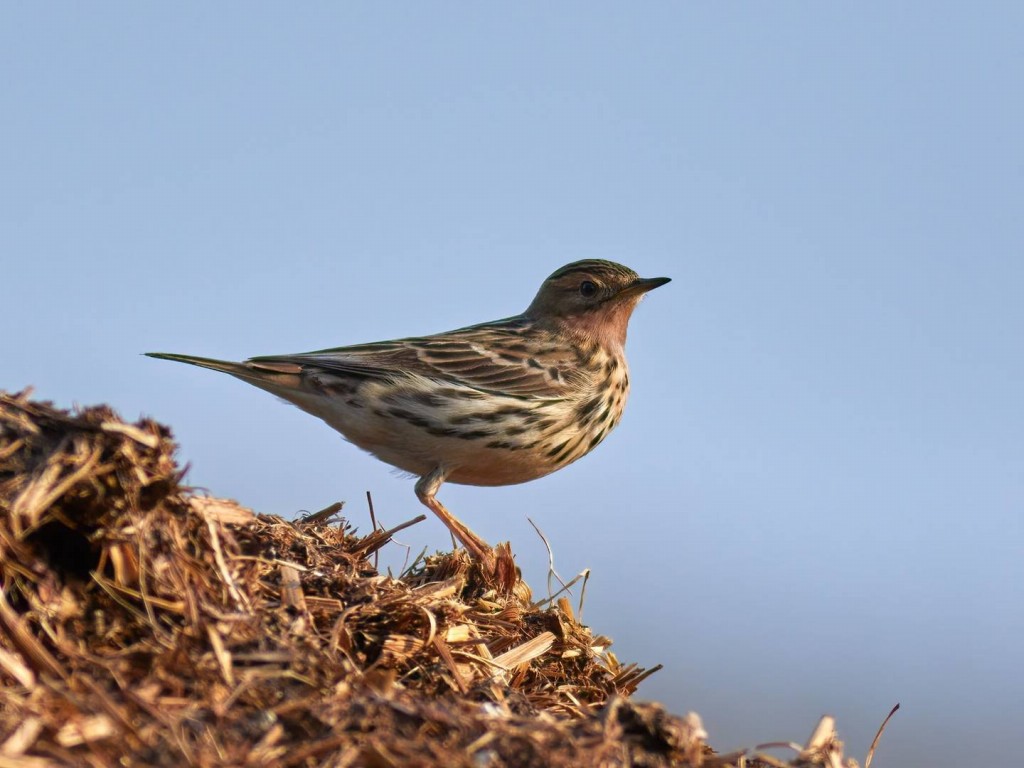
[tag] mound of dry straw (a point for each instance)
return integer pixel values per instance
(143, 625)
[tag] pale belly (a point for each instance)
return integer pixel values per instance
(478, 439)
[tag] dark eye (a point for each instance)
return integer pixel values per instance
(588, 289)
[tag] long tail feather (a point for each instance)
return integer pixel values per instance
(275, 377)
(224, 366)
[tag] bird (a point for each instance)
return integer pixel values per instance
(498, 403)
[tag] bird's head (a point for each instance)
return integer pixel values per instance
(592, 299)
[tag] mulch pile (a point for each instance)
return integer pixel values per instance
(142, 624)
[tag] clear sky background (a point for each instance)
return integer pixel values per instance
(814, 502)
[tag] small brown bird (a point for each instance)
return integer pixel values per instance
(492, 404)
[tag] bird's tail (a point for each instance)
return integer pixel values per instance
(271, 376)
(235, 369)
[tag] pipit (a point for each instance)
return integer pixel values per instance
(492, 404)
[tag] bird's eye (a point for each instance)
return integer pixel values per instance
(588, 289)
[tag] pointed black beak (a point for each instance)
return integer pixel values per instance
(643, 285)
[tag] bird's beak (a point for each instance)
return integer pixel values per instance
(642, 285)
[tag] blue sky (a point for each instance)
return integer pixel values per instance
(814, 502)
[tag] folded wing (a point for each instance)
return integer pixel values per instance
(494, 357)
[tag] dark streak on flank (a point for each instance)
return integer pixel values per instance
(476, 434)
(585, 409)
(412, 418)
(336, 386)
(567, 452)
(501, 445)
(511, 410)
(557, 449)
(489, 416)
(429, 399)
(467, 418)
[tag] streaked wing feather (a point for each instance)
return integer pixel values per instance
(495, 357)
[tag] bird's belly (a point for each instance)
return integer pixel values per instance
(483, 460)
(479, 456)
(500, 467)
(491, 440)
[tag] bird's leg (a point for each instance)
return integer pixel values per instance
(426, 488)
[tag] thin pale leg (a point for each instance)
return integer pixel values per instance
(426, 489)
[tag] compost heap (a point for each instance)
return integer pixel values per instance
(143, 624)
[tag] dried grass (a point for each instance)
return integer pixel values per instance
(144, 625)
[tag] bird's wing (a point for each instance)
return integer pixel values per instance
(494, 357)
